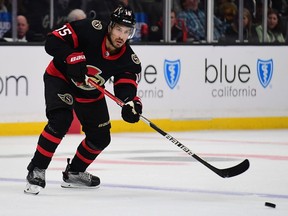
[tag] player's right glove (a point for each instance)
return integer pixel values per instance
(131, 111)
(76, 67)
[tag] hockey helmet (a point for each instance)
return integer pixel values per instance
(124, 15)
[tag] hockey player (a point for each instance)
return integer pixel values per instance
(81, 49)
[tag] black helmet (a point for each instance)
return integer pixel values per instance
(123, 15)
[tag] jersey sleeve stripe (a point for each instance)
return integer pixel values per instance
(53, 71)
(74, 36)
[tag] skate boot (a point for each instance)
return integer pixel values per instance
(35, 179)
(73, 179)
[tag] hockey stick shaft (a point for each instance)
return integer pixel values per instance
(225, 173)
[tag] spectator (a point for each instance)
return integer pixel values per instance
(274, 31)
(232, 33)
(5, 18)
(195, 20)
(38, 15)
(177, 33)
(23, 34)
(76, 14)
(228, 13)
(3, 7)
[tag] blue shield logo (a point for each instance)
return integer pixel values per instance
(172, 72)
(265, 71)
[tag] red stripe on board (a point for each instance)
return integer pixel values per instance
(75, 127)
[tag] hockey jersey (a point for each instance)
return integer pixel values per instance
(89, 36)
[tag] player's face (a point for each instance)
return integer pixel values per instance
(119, 35)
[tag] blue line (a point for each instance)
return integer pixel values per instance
(170, 189)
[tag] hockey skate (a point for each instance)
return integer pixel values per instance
(73, 179)
(35, 180)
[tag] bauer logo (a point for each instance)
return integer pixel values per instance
(172, 72)
(265, 71)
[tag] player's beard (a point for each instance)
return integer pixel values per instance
(111, 42)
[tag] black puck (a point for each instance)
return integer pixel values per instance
(269, 204)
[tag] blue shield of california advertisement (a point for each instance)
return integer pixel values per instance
(172, 72)
(265, 71)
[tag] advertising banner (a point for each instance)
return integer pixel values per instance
(177, 82)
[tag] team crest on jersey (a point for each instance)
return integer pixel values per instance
(97, 24)
(135, 58)
(66, 98)
(172, 72)
(265, 71)
(94, 73)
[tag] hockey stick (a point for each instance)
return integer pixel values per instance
(224, 173)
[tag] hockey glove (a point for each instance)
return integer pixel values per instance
(76, 67)
(131, 111)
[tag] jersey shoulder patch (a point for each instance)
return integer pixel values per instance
(97, 24)
(135, 58)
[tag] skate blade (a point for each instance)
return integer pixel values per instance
(32, 189)
(79, 186)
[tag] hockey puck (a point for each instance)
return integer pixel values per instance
(271, 205)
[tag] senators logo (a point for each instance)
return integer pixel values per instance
(97, 24)
(135, 58)
(94, 74)
(66, 98)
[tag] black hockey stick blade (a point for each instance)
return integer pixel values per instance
(224, 173)
(228, 172)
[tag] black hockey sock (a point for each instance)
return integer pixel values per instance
(46, 147)
(84, 156)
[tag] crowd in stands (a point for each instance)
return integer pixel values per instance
(188, 19)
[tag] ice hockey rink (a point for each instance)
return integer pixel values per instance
(145, 174)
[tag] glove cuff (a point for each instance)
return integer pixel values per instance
(137, 99)
(75, 58)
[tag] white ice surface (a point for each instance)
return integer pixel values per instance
(143, 174)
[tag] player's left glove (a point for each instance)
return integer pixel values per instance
(131, 111)
(76, 67)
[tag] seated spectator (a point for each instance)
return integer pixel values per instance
(178, 34)
(195, 20)
(38, 15)
(228, 13)
(232, 32)
(76, 14)
(23, 34)
(274, 31)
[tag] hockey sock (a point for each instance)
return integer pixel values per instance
(84, 156)
(47, 143)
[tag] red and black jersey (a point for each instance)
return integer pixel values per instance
(89, 36)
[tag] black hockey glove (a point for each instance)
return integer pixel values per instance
(131, 111)
(76, 67)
